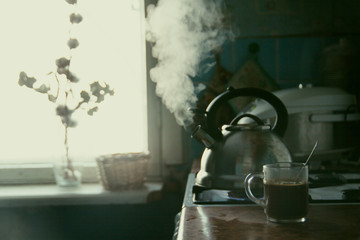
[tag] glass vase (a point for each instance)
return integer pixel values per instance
(68, 173)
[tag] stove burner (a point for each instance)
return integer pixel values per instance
(323, 188)
(212, 196)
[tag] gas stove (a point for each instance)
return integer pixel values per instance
(323, 188)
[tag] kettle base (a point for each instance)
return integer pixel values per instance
(205, 181)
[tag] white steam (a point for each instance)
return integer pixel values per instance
(184, 32)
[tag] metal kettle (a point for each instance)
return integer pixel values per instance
(238, 149)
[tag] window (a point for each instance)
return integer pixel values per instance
(112, 49)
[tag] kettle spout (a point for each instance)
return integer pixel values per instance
(202, 136)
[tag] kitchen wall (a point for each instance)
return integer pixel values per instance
(273, 18)
(299, 42)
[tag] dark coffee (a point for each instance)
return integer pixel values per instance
(286, 201)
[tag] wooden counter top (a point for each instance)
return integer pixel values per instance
(249, 222)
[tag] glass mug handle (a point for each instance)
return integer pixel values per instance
(248, 191)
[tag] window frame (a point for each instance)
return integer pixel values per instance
(166, 140)
(40, 173)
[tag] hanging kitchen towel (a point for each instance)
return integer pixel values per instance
(251, 74)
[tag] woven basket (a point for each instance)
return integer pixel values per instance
(122, 171)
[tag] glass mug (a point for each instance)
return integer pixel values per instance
(285, 191)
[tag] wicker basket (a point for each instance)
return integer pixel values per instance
(122, 171)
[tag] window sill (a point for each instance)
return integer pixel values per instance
(86, 194)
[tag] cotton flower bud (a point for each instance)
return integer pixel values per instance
(85, 95)
(92, 110)
(62, 62)
(62, 70)
(71, 1)
(70, 123)
(63, 111)
(75, 18)
(25, 80)
(65, 114)
(43, 89)
(73, 43)
(52, 98)
(71, 77)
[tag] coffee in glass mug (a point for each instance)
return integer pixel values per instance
(285, 191)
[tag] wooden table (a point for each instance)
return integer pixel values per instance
(249, 222)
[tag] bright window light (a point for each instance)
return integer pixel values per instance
(34, 34)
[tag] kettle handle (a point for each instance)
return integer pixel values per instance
(281, 112)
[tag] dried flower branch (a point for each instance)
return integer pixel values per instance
(87, 100)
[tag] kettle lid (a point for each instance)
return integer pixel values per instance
(246, 127)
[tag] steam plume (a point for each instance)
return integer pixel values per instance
(183, 32)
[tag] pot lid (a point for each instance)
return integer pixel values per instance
(315, 98)
(307, 99)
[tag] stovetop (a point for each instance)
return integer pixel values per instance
(323, 188)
